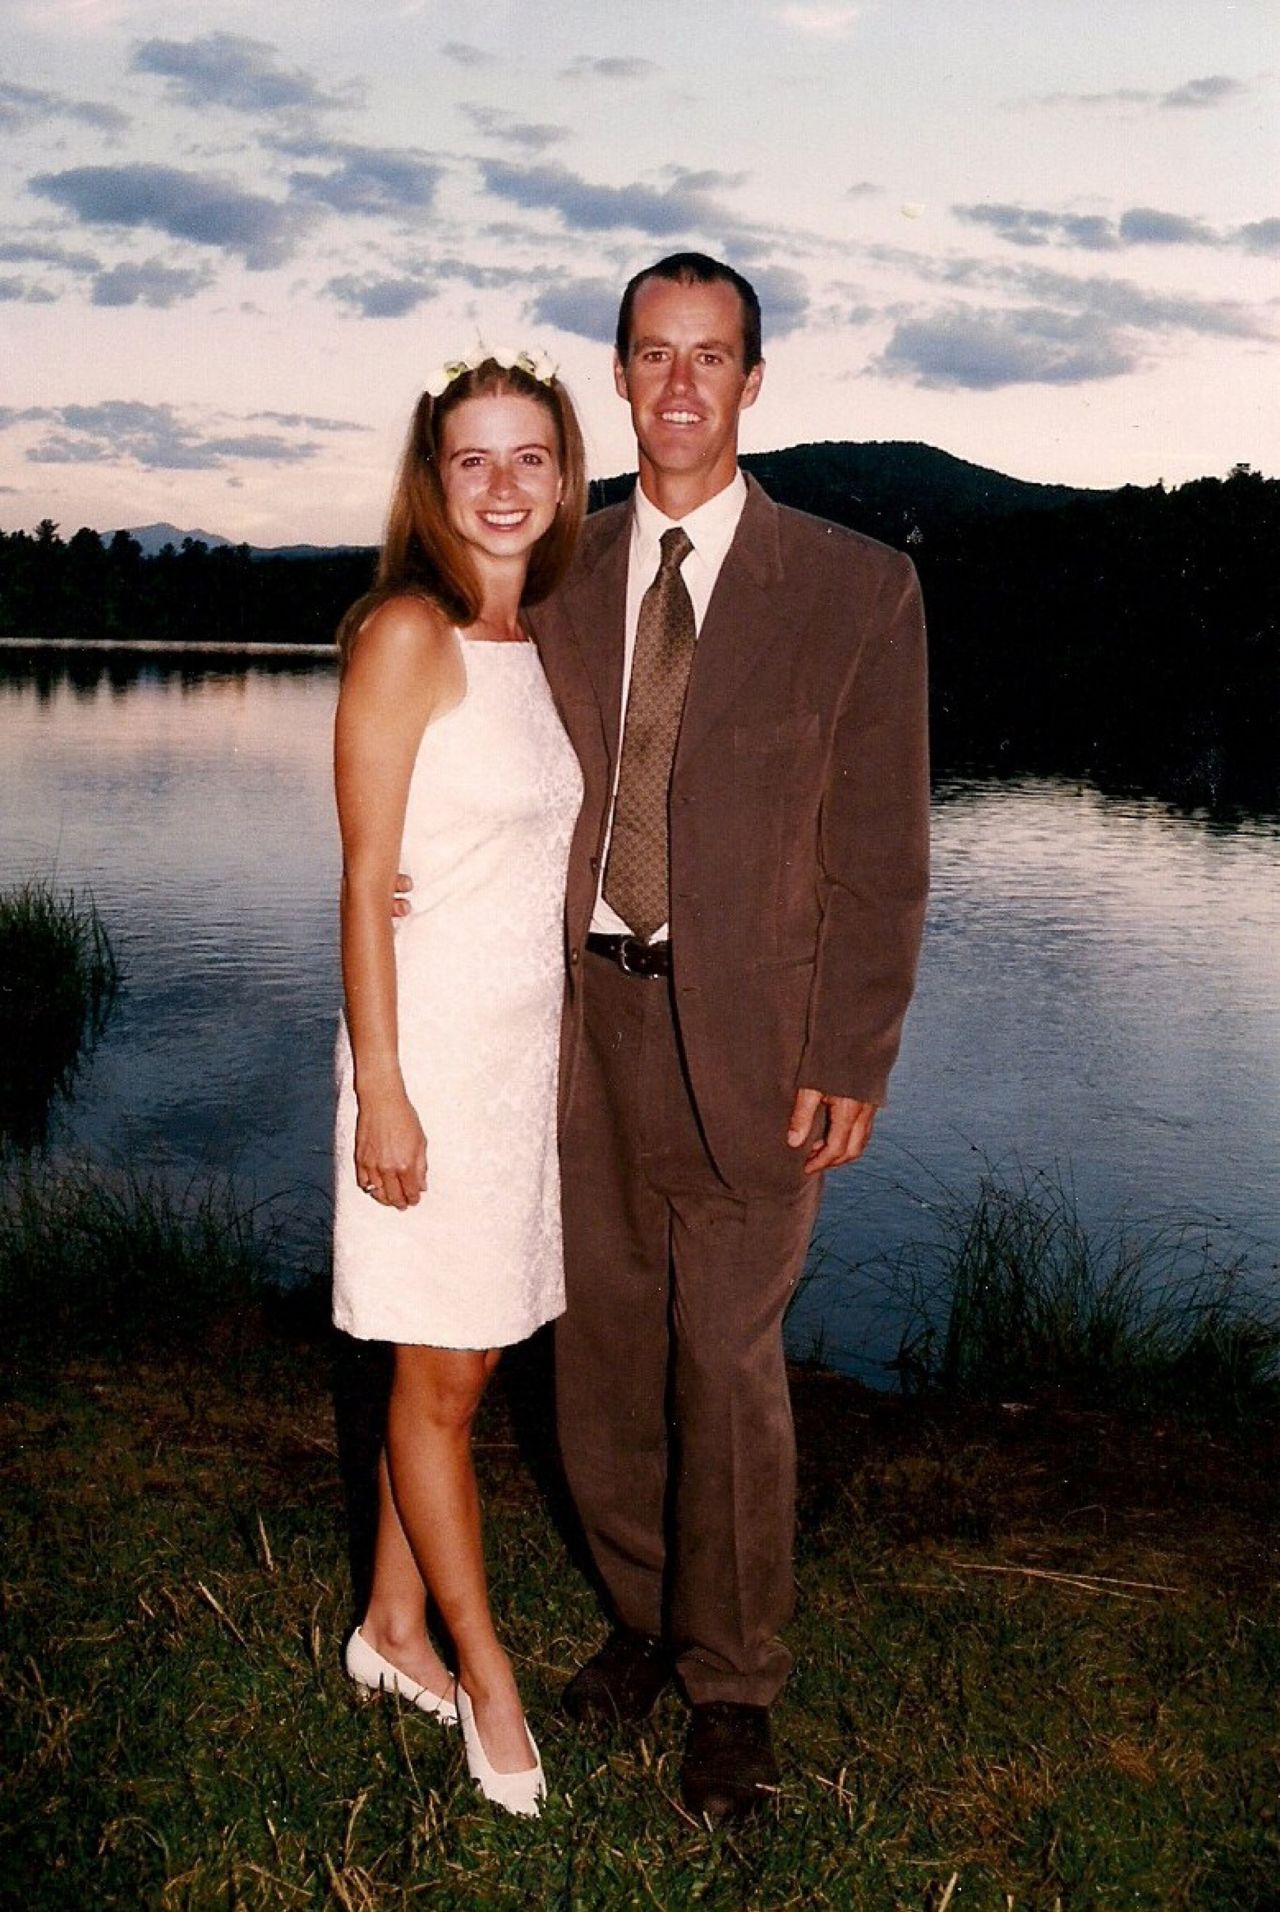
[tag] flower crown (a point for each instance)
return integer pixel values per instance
(536, 364)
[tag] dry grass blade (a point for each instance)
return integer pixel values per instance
(268, 1559)
(1085, 1582)
(213, 1601)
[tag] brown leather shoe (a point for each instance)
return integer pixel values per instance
(729, 1766)
(620, 1683)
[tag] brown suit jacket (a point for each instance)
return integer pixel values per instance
(799, 814)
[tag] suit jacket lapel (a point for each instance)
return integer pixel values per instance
(746, 616)
(593, 606)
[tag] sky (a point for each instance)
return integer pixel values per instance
(236, 240)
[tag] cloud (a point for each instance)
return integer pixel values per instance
(151, 283)
(59, 449)
(303, 420)
(272, 450)
(1120, 301)
(368, 180)
(586, 307)
(45, 252)
(12, 290)
(784, 300)
(704, 180)
(486, 278)
(960, 347)
(226, 69)
(822, 22)
(201, 207)
(593, 208)
(532, 136)
(1216, 90)
(1119, 96)
(19, 105)
(584, 68)
(378, 297)
(1071, 332)
(156, 437)
(463, 54)
(1052, 328)
(1144, 226)
(1262, 236)
(1139, 226)
(1032, 226)
(864, 189)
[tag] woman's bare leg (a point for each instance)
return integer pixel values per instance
(434, 1397)
(395, 1622)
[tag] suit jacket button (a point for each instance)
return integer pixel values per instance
(574, 955)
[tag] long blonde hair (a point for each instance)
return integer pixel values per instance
(421, 552)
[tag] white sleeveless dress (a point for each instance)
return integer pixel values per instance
(478, 1263)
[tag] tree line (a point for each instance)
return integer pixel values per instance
(1130, 636)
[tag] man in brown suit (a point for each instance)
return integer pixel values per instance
(728, 1044)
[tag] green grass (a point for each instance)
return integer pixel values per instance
(59, 977)
(973, 1698)
(1019, 1300)
(1037, 1651)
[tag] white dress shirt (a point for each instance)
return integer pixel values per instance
(711, 528)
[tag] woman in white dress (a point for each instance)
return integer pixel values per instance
(451, 765)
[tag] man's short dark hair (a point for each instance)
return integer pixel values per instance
(695, 268)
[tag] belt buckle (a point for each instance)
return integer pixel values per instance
(626, 943)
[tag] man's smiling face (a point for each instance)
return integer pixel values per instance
(686, 385)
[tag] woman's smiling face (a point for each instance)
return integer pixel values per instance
(500, 472)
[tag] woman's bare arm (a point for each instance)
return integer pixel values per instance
(405, 670)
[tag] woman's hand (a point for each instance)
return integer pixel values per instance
(391, 1150)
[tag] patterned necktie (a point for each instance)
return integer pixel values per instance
(636, 880)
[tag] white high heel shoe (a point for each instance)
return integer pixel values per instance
(521, 1793)
(375, 1675)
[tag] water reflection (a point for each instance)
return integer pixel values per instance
(87, 671)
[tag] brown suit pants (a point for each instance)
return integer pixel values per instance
(674, 1414)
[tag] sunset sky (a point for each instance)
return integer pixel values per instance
(1043, 235)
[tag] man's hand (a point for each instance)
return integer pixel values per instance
(400, 901)
(848, 1128)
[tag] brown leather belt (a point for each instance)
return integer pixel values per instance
(634, 958)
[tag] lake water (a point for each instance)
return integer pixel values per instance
(1099, 996)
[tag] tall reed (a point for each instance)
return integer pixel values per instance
(120, 1262)
(59, 977)
(1020, 1300)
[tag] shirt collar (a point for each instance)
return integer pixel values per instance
(711, 526)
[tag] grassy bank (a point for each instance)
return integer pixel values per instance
(1037, 1651)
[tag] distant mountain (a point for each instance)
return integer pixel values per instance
(903, 475)
(154, 537)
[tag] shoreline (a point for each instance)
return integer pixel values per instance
(168, 647)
